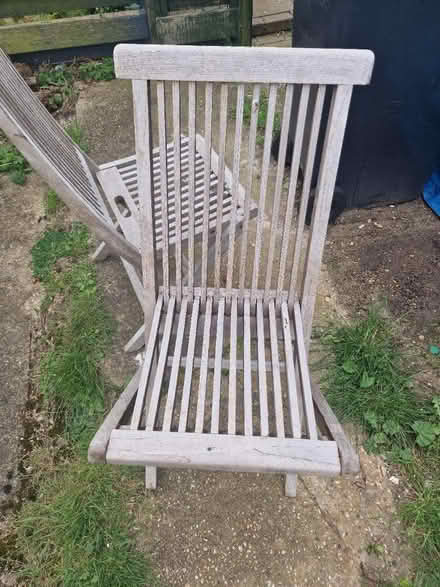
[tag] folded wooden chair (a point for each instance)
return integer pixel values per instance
(225, 382)
(73, 175)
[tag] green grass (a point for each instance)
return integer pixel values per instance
(78, 530)
(78, 135)
(56, 244)
(13, 163)
(369, 382)
(97, 71)
(75, 533)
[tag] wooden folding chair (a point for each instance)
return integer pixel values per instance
(225, 382)
(73, 175)
(55, 157)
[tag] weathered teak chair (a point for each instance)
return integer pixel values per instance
(72, 174)
(225, 383)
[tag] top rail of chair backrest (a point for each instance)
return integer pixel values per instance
(45, 138)
(238, 64)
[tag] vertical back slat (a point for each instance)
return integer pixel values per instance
(276, 377)
(177, 185)
(189, 366)
(232, 403)
(305, 191)
(331, 153)
(163, 184)
(207, 186)
(161, 364)
(221, 178)
(296, 158)
(169, 407)
(144, 156)
(191, 179)
(235, 183)
(218, 368)
(263, 185)
(262, 382)
(200, 412)
(251, 157)
(278, 185)
(247, 379)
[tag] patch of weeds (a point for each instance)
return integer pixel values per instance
(60, 81)
(262, 116)
(13, 163)
(75, 533)
(52, 202)
(368, 383)
(78, 135)
(97, 70)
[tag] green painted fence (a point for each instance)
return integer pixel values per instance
(171, 21)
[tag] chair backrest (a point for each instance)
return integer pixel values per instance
(231, 96)
(53, 154)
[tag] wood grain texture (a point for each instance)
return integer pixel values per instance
(151, 414)
(331, 153)
(263, 183)
(290, 485)
(235, 182)
(295, 290)
(216, 392)
(74, 32)
(189, 366)
(348, 456)
(147, 366)
(201, 398)
(144, 157)
(228, 64)
(276, 379)
(98, 446)
(211, 24)
(223, 452)
(232, 392)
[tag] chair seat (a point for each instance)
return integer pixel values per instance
(120, 183)
(224, 385)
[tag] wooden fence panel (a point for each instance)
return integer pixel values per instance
(79, 31)
(211, 24)
(15, 8)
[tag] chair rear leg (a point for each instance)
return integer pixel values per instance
(150, 477)
(150, 471)
(290, 484)
(102, 252)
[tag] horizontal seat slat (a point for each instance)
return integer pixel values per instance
(223, 452)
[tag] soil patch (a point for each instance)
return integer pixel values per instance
(393, 254)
